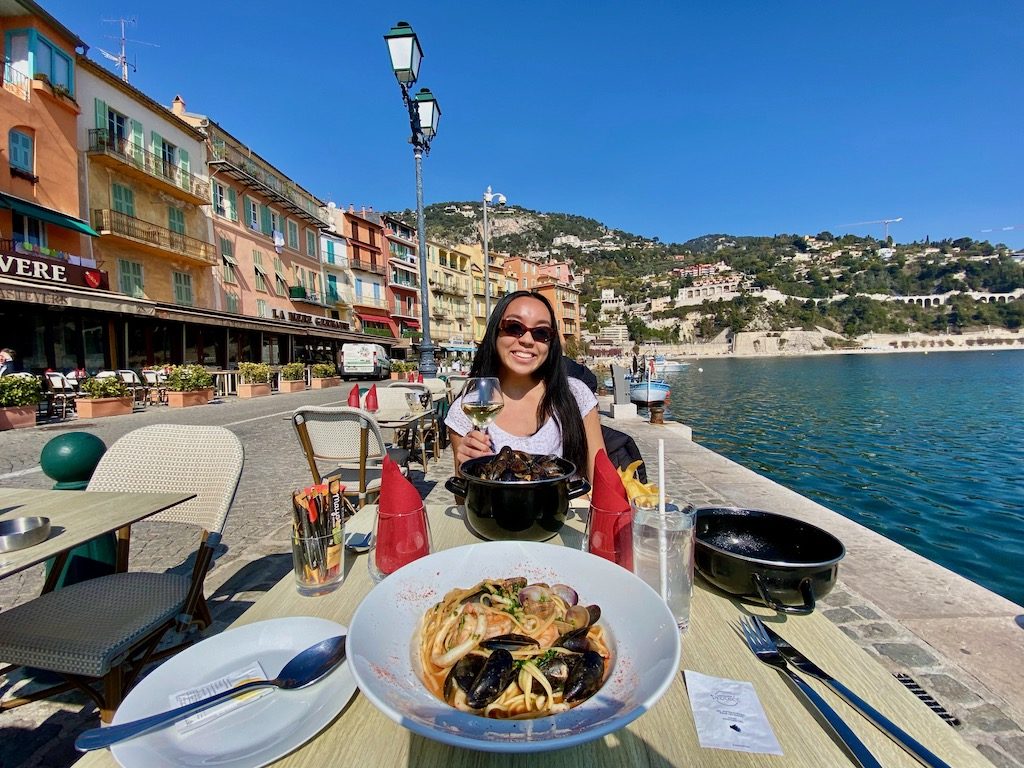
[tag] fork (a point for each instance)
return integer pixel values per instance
(766, 651)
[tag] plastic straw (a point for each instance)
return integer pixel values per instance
(662, 523)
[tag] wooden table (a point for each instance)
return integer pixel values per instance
(75, 518)
(664, 736)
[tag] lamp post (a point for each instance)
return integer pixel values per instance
(424, 113)
(488, 197)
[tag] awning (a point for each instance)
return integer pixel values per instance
(259, 268)
(229, 259)
(46, 214)
(459, 347)
(411, 323)
(381, 320)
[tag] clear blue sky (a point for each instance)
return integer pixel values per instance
(665, 119)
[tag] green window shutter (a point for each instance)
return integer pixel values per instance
(101, 114)
(138, 135)
(158, 144)
(176, 221)
(265, 227)
(21, 150)
(232, 204)
(186, 168)
(124, 199)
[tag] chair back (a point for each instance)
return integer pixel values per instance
(129, 377)
(106, 375)
(339, 435)
(391, 398)
(426, 396)
(177, 458)
(58, 383)
(456, 385)
(436, 386)
(151, 377)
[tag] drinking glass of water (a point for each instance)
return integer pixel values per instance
(663, 542)
(482, 401)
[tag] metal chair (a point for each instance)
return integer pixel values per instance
(60, 391)
(455, 386)
(138, 388)
(157, 384)
(105, 630)
(350, 439)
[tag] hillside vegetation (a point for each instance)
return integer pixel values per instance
(805, 267)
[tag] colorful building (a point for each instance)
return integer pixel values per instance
(403, 279)
(368, 262)
(448, 276)
(54, 309)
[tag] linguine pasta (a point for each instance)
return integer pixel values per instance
(505, 649)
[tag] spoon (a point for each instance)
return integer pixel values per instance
(304, 669)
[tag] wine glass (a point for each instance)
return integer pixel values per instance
(482, 401)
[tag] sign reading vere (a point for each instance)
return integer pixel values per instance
(51, 271)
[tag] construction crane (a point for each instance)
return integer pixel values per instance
(885, 222)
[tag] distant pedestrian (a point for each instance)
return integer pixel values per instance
(7, 356)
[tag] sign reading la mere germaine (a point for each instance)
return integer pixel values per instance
(53, 271)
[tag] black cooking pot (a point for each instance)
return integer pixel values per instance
(782, 561)
(523, 510)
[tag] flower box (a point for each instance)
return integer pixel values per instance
(177, 399)
(246, 391)
(100, 407)
(325, 383)
(287, 385)
(17, 417)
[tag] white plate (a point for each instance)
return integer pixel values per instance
(644, 637)
(256, 733)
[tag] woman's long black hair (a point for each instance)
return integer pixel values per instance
(558, 399)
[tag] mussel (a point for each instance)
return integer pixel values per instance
(510, 642)
(496, 675)
(575, 640)
(462, 675)
(509, 465)
(556, 669)
(585, 676)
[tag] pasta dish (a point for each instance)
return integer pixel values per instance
(506, 649)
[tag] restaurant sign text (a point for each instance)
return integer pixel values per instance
(51, 271)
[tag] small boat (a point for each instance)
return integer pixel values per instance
(663, 366)
(649, 392)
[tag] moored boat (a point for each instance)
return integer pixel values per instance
(649, 392)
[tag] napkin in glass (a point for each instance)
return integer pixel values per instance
(609, 528)
(353, 396)
(402, 533)
(371, 399)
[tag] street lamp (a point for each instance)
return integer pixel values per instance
(424, 114)
(500, 201)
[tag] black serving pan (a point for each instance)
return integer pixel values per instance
(523, 510)
(781, 561)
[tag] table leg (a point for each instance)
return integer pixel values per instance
(123, 541)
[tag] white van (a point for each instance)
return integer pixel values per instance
(369, 361)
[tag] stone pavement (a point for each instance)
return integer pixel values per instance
(255, 556)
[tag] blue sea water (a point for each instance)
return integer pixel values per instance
(926, 449)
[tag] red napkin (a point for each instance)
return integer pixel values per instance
(609, 530)
(371, 399)
(411, 376)
(402, 534)
(353, 396)
(419, 378)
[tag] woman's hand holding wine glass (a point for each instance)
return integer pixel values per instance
(482, 401)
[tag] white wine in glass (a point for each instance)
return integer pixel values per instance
(482, 401)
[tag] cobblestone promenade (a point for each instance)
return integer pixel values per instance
(255, 555)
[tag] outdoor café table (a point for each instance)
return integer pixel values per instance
(407, 423)
(664, 736)
(75, 518)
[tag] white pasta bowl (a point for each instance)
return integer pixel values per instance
(384, 633)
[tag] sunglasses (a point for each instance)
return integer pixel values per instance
(542, 334)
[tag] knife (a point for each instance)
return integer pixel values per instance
(884, 724)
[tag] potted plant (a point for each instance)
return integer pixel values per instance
(253, 380)
(189, 385)
(398, 369)
(108, 396)
(293, 378)
(19, 396)
(325, 375)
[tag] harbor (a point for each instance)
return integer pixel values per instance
(953, 638)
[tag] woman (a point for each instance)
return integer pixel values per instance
(545, 411)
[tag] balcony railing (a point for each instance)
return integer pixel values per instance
(399, 308)
(252, 174)
(368, 266)
(369, 301)
(106, 221)
(17, 83)
(410, 284)
(153, 165)
(334, 259)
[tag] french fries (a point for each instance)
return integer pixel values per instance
(633, 486)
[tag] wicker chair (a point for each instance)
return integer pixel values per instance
(350, 439)
(108, 628)
(60, 392)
